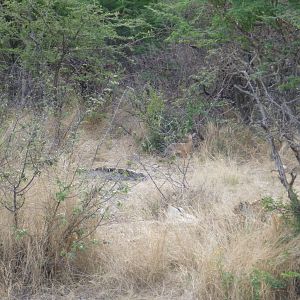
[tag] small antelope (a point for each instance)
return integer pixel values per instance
(181, 149)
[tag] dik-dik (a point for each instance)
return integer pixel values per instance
(181, 149)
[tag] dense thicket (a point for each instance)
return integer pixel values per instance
(180, 63)
(187, 61)
(50, 46)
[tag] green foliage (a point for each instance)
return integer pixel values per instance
(270, 204)
(294, 207)
(208, 22)
(259, 277)
(193, 110)
(292, 82)
(165, 123)
(227, 282)
(43, 31)
(247, 13)
(289, 211)
(127, 7)
(21, 233)
(290, 275)
(168, 22)
(154, 118)
(58, 43)
(23, 144)
(64, 190)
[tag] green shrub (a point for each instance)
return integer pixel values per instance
(289, 211)
(259, 277)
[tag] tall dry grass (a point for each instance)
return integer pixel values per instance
(217, 256)
(233, 140)
(145, 254)
(46, 247)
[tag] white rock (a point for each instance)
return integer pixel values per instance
(178, 215)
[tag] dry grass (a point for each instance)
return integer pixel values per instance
(145, 254)
(234, 141)
(216, 257)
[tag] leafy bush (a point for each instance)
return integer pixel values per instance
(165, 122)
(127, 7)
(52, 45)
(289, 211)
(259, 278)
(51, 213)
(154, 119)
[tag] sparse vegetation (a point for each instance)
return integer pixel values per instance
(93, 93)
